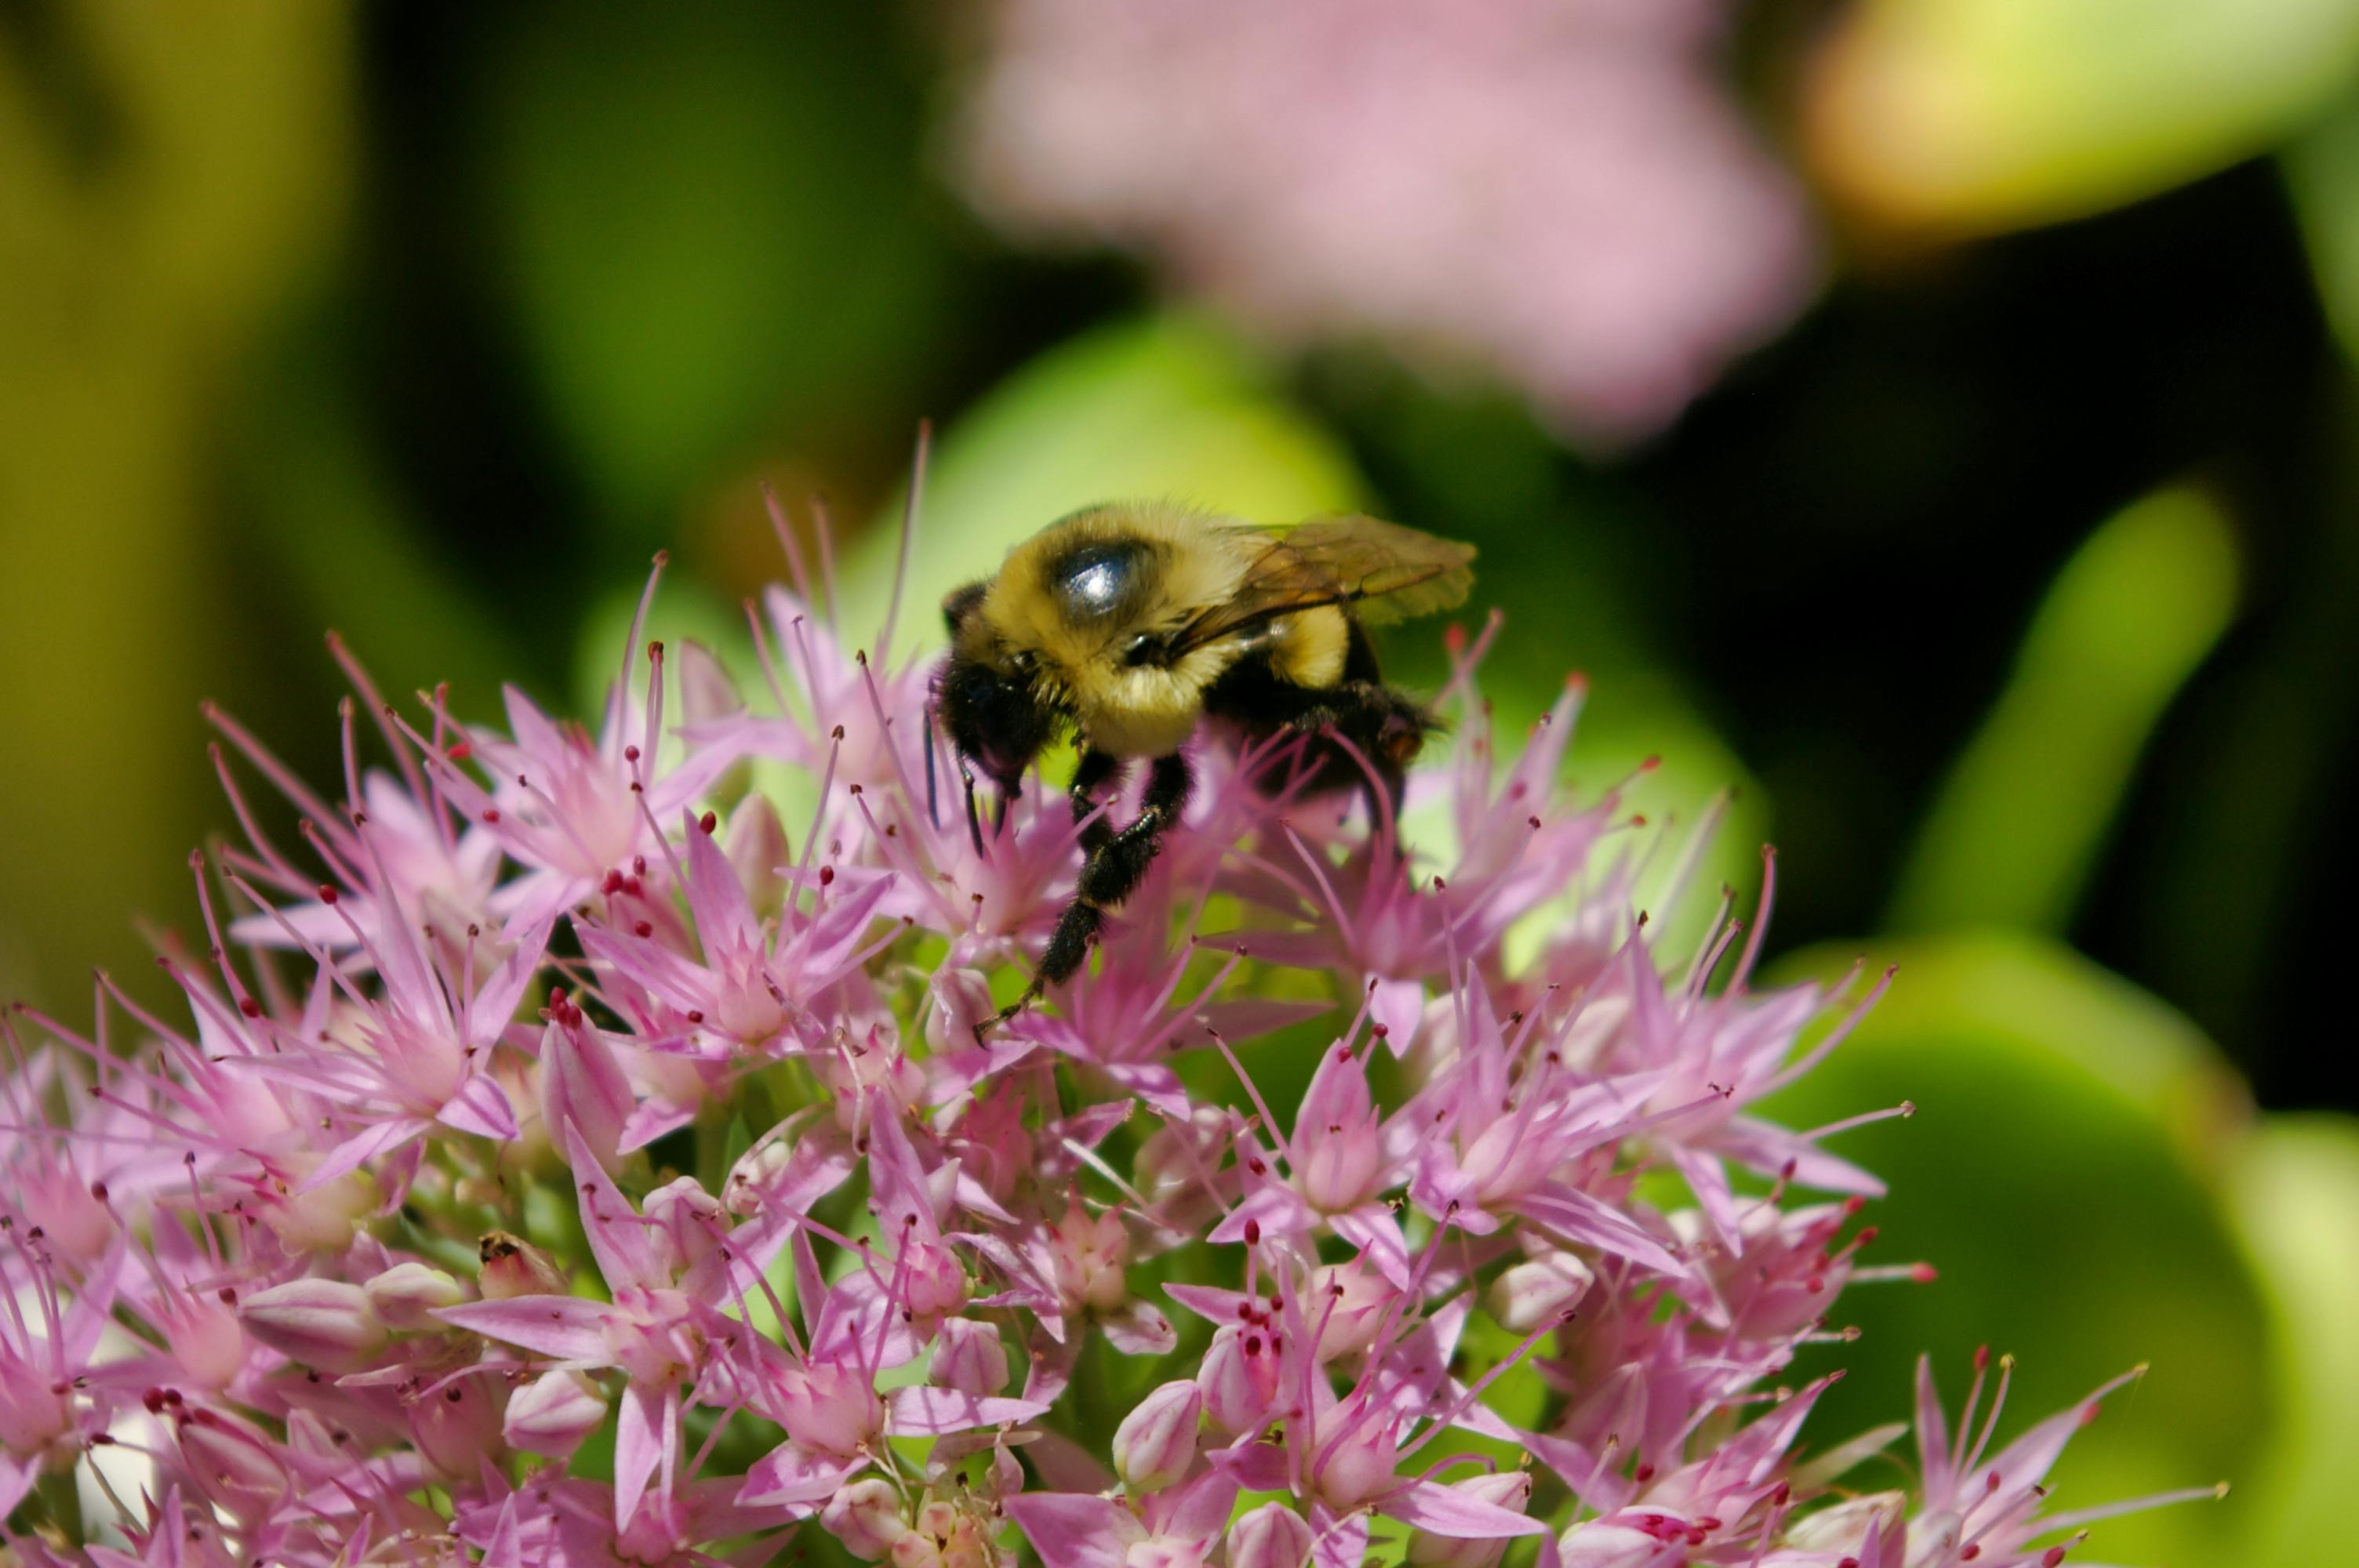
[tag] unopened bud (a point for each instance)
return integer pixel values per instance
(1539, 1292)
(458, 1428)
(1089, 1253)
(581, 1082)
(1156, 1442)
(1506, 1489)
(865, 1517)
(1272, 1536)
(969, 1357)
(685, 1223)
(325, 1323)
(323, 1219)
(515, 1267)
(1239, 1377)
(406, 1295)
(553, 1413)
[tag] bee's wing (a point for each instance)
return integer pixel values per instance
(1388, 572)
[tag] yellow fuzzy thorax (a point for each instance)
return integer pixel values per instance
(1196, 562)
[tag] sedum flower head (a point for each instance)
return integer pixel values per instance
(565, 1154)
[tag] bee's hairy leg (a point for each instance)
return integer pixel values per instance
(1116, 867)
(1096, 771)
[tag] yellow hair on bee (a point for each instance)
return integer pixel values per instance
(1143, 711)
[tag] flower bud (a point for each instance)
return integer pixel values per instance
(1538, 1292)
(1504, 1488)
(407, 1295)
(457, 1428)
(1272, 1536)
(865, 1517)
(1239, 1377)
(756, 847)
(1359, 1465)
(580, 1082)
(553, 1413)
(969, 1357)
(828, 1406)
(324, 1324)
(515, 1267)
(1156, 1442)
(685, 1223)
(1594, 1544)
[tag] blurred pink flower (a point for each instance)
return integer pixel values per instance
(1559, 189)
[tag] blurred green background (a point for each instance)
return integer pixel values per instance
(2009, 569)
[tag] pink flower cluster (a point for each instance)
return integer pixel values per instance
(1558, 190)
(571, 1155)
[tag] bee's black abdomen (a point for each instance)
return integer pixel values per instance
(1357, 715)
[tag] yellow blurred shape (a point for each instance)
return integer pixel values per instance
(166, 173)
(2294, 1195)
(1974, 116)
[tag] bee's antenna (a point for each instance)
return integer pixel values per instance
(932, 814)
(973, 822)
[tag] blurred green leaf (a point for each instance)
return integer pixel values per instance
(1978, 115)
(705, 231)
(2322, 172)
(2294, 1191)
(2018, 825)
(2059, 1172)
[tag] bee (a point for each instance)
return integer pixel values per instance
(1132, 623)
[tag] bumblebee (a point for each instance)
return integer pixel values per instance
(1133, 624)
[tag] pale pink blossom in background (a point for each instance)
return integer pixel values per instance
(1559, 191)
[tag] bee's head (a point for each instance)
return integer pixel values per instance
(994, 712)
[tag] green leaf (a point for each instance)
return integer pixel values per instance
(2019, 822)
(1981, 115)
(2060, 1172)
(2294, 1192)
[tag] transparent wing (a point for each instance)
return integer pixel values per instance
(1385, 571)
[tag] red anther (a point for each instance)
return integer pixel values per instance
(708, 822)
(461, 751)
(1868, 1234)
(1924, 1273)
(2052, 1557)
(1253, 1344)
(1982, 1357)
(1382, 1030)
(1814, 1284)
(492, 814)
(695, 1015)
(1642, 1474)
(327, 893)
(1854, 1205)
(1969, 1551)
(826, 875)
(630, 754)
(643, 928)
(154, 1400)
(248, 1006)
(1252, 1233)
(612, 884)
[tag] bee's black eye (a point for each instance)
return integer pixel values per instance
(1143, 649)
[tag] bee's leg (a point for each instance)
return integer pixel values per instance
(1115, 867)
(1096, 771)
